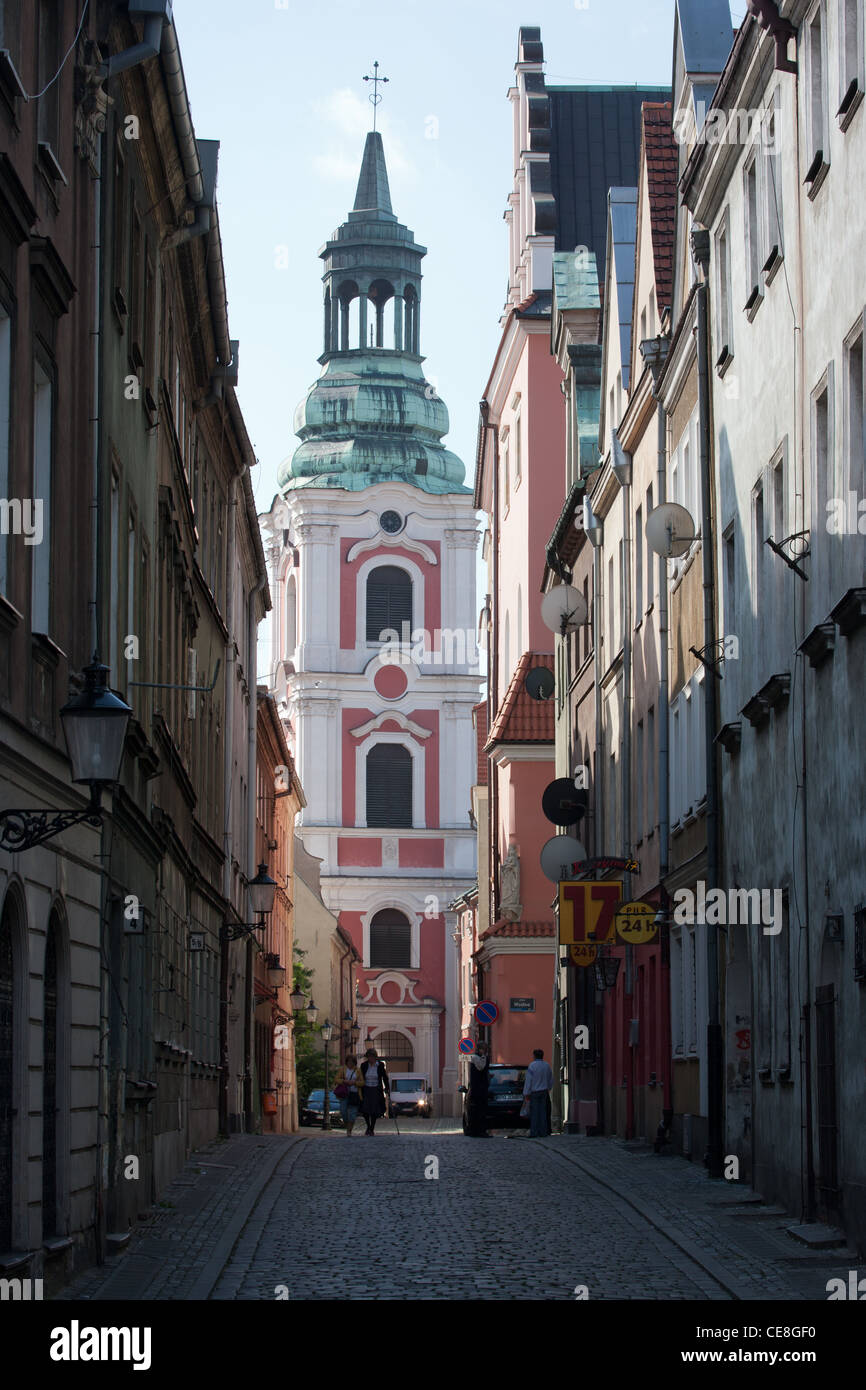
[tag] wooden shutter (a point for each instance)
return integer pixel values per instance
(389, 786)
(390, 942)
(389, 601)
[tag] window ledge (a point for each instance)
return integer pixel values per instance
(50, 164)
(724, 360)
(817, 173)
(754, 302)
(772, 264)
(851, 103)
(11, 87)
(9, 616)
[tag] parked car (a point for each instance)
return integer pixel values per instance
(313, 1109)
(411, 1094)
(504, 1099)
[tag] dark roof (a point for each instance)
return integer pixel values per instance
(661, 166)
(595, 145)
(373, 193)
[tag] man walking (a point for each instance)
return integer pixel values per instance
(536, 1088)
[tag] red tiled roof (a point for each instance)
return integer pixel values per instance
(520, 719)
(661, 164)
(503, 928)
(479, 719)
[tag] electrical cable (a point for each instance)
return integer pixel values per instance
(36, 95)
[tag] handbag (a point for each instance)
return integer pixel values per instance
(341, 1091)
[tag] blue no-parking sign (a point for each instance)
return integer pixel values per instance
(486, 1012)
(465, 1046)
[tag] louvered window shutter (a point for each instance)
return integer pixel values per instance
(389, 601)
(390, 941)
(389, 786)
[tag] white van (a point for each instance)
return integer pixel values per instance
(411, 1093)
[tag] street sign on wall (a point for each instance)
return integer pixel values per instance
(587, 909)
(523, 1005)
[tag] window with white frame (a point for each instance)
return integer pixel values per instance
(518, 452)
(611, 596)
(752, 229)
(852, 78)
(677, 1033)
(638, 564)
(822, 447)
(725, 321)
(638, 781)
(817, 131)
(855, 437)
(729, 543)
(651, 769)
(650, 554)
(685, 484)
(772, 181)
(758, 537)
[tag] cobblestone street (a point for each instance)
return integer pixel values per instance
(327, 1217)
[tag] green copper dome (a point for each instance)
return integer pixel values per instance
(372, 417)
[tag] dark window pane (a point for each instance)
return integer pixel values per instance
(390, 942)
(389, 786)
(389, 601)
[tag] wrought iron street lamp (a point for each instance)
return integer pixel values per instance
(326, 1030)
(297, 1000)
(262, 892)
(606, 968)
(94, 726)
(312, 1011)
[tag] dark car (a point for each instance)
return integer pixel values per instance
(504, 1099)
(313, 1109)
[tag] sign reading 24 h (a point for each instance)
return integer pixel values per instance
(587, 909)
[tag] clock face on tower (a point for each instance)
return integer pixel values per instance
(392, 522)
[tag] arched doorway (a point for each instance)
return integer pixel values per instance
(395, 1050)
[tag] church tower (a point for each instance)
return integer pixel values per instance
(372, 543)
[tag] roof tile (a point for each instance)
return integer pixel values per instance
(522, 929)
(520, 719)
(660, 152)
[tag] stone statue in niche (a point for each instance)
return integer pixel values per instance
(509, 886)
(389, 850)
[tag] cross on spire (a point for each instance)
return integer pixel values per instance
(375, 96)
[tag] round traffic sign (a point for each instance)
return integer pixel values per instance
(562, 803)
(465, 1045)
(582, 954)
(635, 923)
(486, 1012)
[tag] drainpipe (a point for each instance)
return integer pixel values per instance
(493, 669)
(655, 357)
(808, 1178)
(252, 711)
(230, 654)
(154, 16)
(622, 470)
(715, 1049)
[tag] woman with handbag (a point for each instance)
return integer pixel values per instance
(347, 1089)
(376, 1088)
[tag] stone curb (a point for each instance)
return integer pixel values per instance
(206, 1281)
(683, 1242)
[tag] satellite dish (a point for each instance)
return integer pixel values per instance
(562, 803)
(559, 856)
(563, 610)
(540, 683)
(670, 530)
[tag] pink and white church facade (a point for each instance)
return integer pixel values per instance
(372, 541)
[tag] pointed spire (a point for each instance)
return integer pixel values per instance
(373, 194)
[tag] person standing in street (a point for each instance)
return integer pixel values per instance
(347, 1089)
(536, 1089)
(479, 1085)
(376, 1088)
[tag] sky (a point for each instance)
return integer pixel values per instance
(280, 84)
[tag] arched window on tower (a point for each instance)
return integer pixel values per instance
(389, 602)
(390, 941)
(349, 315)
(389, 786)
(291, 617)
(380, 323)
(410, 320)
